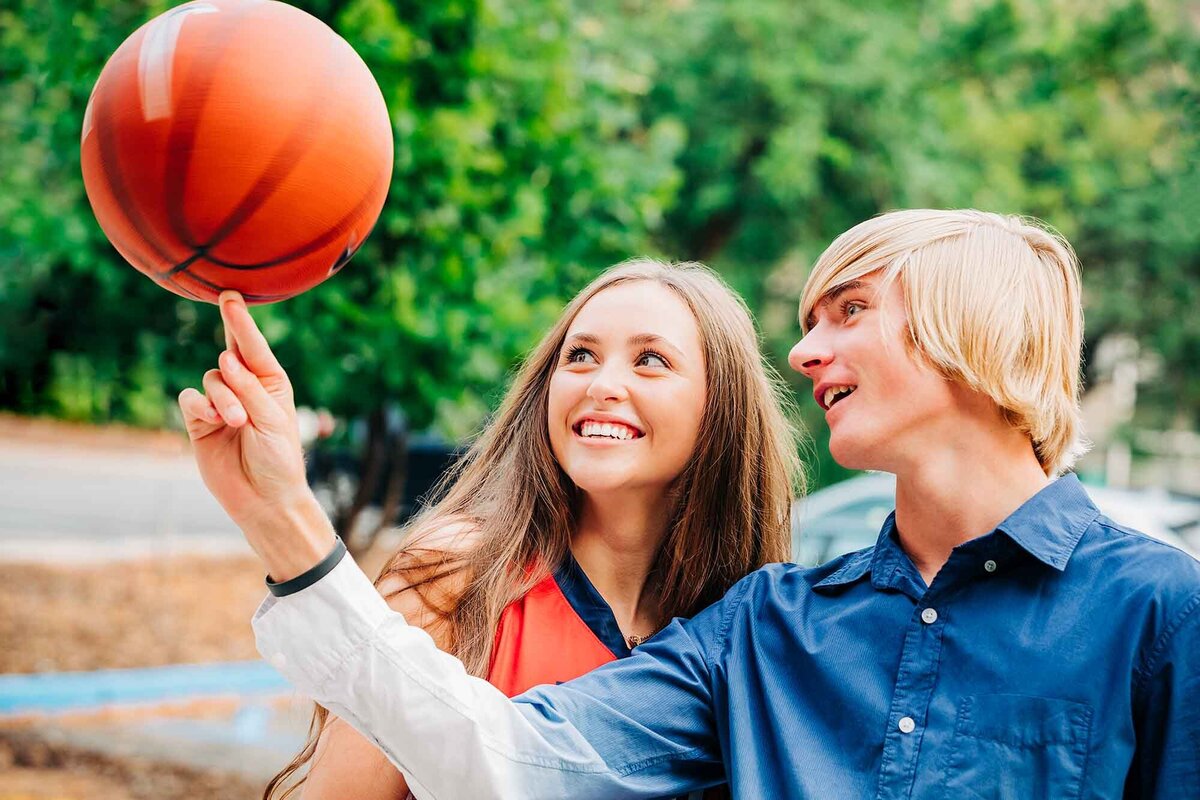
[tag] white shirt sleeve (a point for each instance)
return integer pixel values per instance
(452, 735)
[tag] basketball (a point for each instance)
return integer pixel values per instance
(236, 144)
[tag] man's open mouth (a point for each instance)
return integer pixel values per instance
(834, 394)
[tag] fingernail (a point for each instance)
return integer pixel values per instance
(235, 416)
(211, 415)
(231, 362)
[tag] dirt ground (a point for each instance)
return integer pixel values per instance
(32, 769)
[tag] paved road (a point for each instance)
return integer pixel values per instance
(63, 502)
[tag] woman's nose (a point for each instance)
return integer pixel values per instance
(607, 386)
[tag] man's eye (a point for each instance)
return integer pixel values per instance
(651, 359)
(852, 308)
(580, 355)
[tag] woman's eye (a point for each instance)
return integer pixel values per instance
(580, 355)
(651, 359)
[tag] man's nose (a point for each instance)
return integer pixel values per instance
(810, 354)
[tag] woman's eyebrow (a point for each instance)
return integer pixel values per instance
(643, 339)
(637, 340)
(589, 338)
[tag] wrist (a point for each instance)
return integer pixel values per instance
(290, 537)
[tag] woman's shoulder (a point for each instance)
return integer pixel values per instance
(426, 577)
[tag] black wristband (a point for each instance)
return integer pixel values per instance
(306, 579)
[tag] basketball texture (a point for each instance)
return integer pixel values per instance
(236, 144)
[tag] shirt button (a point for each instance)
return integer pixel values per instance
(989, 566)
(929, 616)
(279, 661)
(907, 725)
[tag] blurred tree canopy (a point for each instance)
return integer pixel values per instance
(539, 141)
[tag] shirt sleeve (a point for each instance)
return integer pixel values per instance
(640, 727)
(1167, 758)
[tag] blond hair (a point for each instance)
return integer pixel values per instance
(731, 503)
(993, 302)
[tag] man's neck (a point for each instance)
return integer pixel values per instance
(954, 494)
(616, 542)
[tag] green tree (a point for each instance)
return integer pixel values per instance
(521, 170)
(803, 120)
(1087, 116)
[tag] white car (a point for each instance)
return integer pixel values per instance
(848, 515)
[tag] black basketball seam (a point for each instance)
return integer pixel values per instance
(279, 166)
(179, 156)
(340, 228)
(110, 168)
(249, 296)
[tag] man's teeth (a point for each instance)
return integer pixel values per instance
(606, 429)
(833, 393)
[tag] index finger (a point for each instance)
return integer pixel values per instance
(245, 338)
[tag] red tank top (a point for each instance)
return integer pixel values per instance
(561, 629)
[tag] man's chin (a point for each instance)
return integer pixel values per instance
(853, 453)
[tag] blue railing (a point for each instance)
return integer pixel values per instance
(69, 691)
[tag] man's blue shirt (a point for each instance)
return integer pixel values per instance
(1056, 657)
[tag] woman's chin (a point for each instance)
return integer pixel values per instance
(606, 481)
(601, 484)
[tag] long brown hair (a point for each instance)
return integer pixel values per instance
(732, 499)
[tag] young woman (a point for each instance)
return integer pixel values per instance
(639, 466)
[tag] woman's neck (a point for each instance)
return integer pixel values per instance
(615, 543)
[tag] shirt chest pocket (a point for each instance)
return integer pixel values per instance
(1012, 746)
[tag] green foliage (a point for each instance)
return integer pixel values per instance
(519, 174)
(539, 141)
(804, 119)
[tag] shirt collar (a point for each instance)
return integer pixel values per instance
(1048, 526)
(589, 605)
(853, 568)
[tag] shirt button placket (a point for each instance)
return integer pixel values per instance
(910, 702)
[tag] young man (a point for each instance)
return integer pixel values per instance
(1002, 639)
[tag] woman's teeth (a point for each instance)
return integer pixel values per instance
(607, 430)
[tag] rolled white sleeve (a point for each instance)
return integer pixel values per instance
(452, 735)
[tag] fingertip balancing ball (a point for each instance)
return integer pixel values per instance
(236, 144)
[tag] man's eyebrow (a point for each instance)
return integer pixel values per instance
(829, 297)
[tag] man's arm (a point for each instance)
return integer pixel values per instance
(1167, 760)
(641, 727)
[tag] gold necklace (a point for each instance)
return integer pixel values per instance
(633, 640)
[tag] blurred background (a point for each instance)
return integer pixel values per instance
(538, 142)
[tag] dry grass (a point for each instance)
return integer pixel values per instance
(127, 614)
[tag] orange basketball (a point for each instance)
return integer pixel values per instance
(236, 144)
